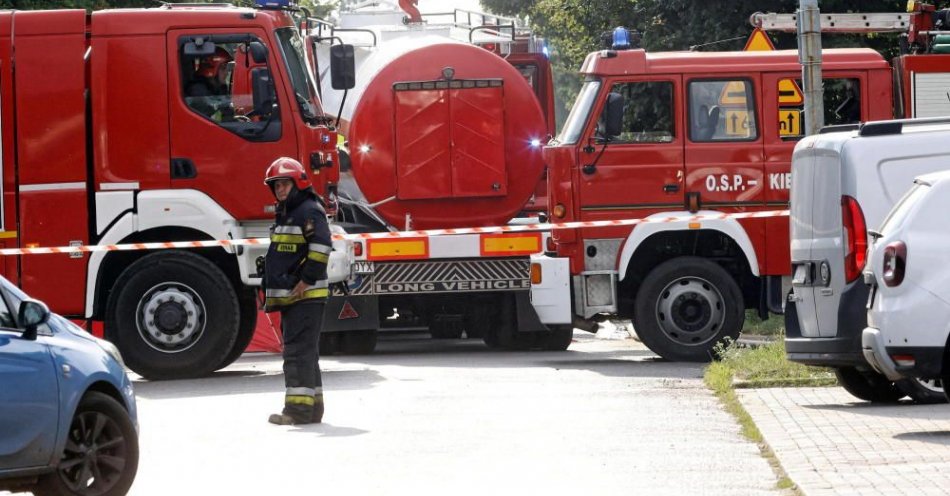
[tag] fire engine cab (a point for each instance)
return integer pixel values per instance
(675, 135)
(139, 125)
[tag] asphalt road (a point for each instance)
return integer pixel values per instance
(425, 417)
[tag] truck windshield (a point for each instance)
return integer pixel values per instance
(574, 125)
(292, 51)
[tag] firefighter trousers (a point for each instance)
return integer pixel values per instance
(300, 324)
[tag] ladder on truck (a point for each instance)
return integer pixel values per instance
(917, 26)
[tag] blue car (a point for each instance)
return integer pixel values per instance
(68, 421)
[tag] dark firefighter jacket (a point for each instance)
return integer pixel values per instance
(299, 250)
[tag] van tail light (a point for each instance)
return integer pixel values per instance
(856, 244)
(895, 262)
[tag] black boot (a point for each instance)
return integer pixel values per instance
(316, 414)
(293, 414)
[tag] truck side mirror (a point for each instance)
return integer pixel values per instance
(342, 67)
(258, 52)
(199, 47)
(262, 91)
(613, 115)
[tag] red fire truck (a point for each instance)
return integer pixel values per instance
(106, 141)
(675, 135)
(444, 129)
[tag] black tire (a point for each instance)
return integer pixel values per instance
(923, 392)
(868, 385)
(358, 342)
(558, 339)
(100, 427)
(198, 316)
(685, 307)
(247, 299)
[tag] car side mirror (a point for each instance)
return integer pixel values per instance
(342, 67)
(32, 314)
(262, 91)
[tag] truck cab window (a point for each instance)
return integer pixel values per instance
(231, 89)
(647, 113)
(722, 110)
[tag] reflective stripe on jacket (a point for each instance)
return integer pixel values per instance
(299, 251)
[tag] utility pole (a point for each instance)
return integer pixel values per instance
(809, 55)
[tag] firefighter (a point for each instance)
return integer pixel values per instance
(208, 92)
(295, 283)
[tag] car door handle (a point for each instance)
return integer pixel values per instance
(671, 188)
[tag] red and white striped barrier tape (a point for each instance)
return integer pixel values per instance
(391, 235)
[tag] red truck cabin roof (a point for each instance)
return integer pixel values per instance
(155, 21)
(612, 63)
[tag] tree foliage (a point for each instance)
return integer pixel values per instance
(574, 28)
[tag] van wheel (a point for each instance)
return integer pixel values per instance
(685, 307)
(923, 392)
(868, 385)
(173, 315)
(247, 299)
(101, 456)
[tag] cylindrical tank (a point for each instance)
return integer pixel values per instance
(441, 133)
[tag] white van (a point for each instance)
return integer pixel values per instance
(844, 181)
(909, 307)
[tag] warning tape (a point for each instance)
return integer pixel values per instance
(390, 235)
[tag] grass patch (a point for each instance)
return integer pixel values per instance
(766, 366)
(774, 326)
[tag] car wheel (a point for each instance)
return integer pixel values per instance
(173, 315)
(685, 307)
(248, 324)
(924, 392)
(868, 385)
(101, 455)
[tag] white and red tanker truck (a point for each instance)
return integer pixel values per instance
(443, 129)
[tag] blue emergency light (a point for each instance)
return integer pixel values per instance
(275, 4)
(621, 38)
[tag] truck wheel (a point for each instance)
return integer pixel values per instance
(247, 299)
(923, 392)
(685, 307)
(558, 339)
(101, 454)
(358, 342)
(173, 315)
(868, 385)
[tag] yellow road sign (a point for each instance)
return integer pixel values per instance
(758, 42)
(733, 93)
(790, 122)
(737, 123)
(789, 93)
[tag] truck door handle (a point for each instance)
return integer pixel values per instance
(183, 168)
(671, 188)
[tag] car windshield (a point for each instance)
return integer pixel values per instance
(574, 125)
(292, 50)
(900, 211)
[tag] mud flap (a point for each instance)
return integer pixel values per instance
(528, 320)
(351, 313)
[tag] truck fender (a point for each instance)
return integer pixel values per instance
(160, 208)
(729, 227)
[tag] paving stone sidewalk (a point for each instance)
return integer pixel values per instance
(830, 443)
